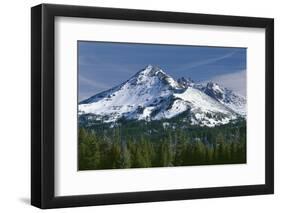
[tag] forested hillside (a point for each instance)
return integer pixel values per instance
(140, 144)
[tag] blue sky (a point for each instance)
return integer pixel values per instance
(103, 65)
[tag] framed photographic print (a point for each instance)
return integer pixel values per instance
(139, 106)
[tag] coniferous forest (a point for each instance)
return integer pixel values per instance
(141, 144)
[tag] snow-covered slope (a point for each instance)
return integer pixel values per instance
(151, 94)
(204, 109)
(227, 97)
(136, 98)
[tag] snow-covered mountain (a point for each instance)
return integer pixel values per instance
(151, 94)
(225, 96)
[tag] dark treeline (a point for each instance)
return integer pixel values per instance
(142, 145)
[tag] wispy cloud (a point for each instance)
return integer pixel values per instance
(105, 64)
(93, 86)
(92, 83)
(84, 95)
(236, 81)
(88, 60)
(208, 61)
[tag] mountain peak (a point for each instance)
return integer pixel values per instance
(154, 74)
(185, 82)
(214, 87)
(149, 66)
(214, 90)
(212, 84)
(152, 70)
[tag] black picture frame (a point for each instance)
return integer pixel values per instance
(43, 102)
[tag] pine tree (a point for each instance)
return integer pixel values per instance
(89, 155)
(115, 156)
(125, 157)
(199, 153)
(180, 151)
(165, 154)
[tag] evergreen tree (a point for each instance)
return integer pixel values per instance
(142, 144)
